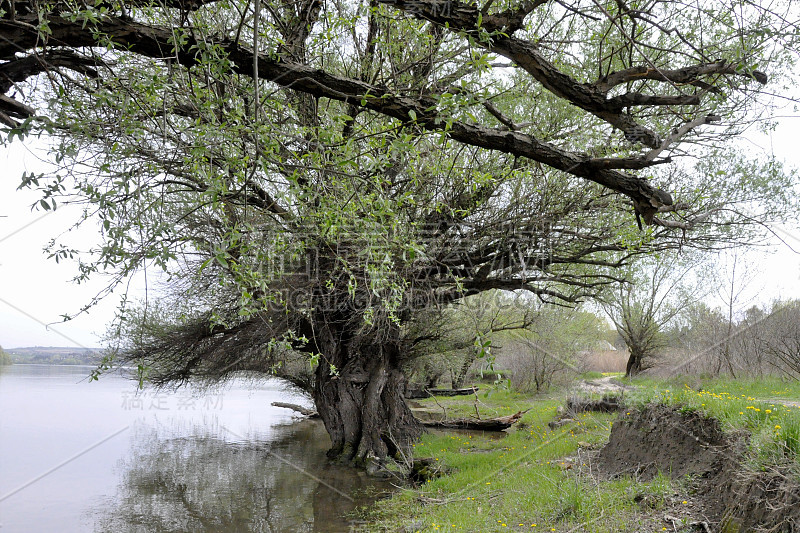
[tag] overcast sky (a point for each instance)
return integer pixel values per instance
(35, 291)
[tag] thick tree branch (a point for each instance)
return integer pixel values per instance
(20, 69)
(12, 108)
(494, 32)
(157, 43)
(686, 75)
(639, 99)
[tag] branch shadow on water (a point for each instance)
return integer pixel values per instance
(213, 485)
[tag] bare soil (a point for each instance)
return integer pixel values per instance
(730, 495)
(604, 385)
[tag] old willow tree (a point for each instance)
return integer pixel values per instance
(318, 177)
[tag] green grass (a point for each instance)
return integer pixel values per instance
(769, 387)
(765, 388)
(533, 479)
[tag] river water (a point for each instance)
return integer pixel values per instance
(78, 456)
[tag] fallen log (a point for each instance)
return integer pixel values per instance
(482, 424)
(311, 413)
(414, 394)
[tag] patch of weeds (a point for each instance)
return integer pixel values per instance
(652, 495)
(568, 502)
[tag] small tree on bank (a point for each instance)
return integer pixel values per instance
(467, 332)
(641, 308)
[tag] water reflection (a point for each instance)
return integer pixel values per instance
(184, 461)
(171, 482)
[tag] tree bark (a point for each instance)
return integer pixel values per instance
(358, 392)
(461, 376)
(634, 365)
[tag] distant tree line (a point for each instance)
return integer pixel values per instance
(764, 340)
(51, 356)
(662, 317)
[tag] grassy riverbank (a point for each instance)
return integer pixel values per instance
(539, 478)
(536, 478)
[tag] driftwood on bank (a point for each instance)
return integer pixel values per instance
(415, 394)
(483, 424)
(311, 413)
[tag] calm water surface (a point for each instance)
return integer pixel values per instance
(78, 456)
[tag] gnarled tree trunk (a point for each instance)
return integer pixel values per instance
(634, 365)
(359, 395)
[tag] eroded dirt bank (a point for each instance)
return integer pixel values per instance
(735, 497)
